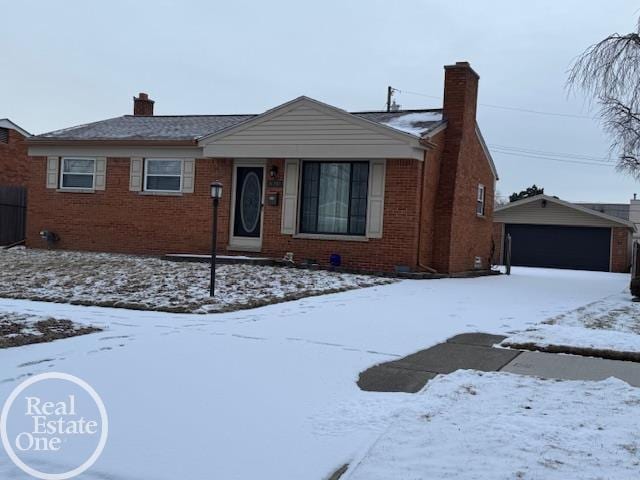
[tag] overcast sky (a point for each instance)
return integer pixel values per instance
(71, 62)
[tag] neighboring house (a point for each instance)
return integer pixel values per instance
(402, 190)
(634, 216)
(549, 232)
(627, 211)
(14, 167)
(14, 174)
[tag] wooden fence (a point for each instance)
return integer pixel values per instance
(13, 212)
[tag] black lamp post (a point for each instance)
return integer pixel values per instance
(216, 194)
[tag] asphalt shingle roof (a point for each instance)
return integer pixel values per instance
(620, 210)
(192, 127)
(130, 127)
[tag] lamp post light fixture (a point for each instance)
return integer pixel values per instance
(216, 195)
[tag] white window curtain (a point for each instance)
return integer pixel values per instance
(333, 201)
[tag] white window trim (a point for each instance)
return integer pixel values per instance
(481, 197)
(62, 174)
(146, 175)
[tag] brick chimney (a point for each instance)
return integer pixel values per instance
(460, 95)
(142, 105)
(459, 109)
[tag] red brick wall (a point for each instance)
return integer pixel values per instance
(431, 176)
(14, 166)
(460, 234)
(471, 235)
(398, 245)
(117, 220)
(620, 261)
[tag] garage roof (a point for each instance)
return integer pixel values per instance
(517, 212)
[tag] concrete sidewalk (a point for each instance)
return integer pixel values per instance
(475, 351)
(573, 367)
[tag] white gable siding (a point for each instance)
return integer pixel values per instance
(552, 214)
(304, 124)
(304, 131)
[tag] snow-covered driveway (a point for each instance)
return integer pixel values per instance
(270, 393)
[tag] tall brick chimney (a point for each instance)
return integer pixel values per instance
(459, 109)
(460, 95)
(142, 105)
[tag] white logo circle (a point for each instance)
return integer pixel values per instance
(103, 418)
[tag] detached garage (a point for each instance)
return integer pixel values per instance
(548, 232)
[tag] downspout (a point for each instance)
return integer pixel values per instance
(425, 142)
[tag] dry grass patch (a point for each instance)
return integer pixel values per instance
(18, 329)
(147, 283)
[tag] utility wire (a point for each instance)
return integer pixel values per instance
(576, 156)
(504, 107)
(563, 160)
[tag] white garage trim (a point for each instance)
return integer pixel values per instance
(513, 213)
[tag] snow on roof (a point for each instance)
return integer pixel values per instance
(6, 123)
(414, 123)
(190, 127)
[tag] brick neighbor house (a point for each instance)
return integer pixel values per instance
(14, 167)
(14, 174)
(403, 190)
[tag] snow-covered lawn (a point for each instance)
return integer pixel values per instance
(499, 426)
(271, 393)
(18, 329)
(147, 283)
(608, 327)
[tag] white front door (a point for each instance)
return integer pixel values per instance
(246, 205)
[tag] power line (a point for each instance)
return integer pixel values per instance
(563, 160)
(505, 107)
(577, 156)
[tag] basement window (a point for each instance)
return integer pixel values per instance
(334, 198)
(162, 175)
(78, 173)
(480, 201)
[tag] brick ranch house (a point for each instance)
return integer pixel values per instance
(402, 190)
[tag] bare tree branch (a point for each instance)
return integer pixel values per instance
(609, 72)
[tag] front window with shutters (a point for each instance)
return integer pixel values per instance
(78, 173)
(162, 175)
(334, 197)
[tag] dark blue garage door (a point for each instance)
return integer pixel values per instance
(552, 246)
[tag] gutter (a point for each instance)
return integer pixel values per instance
(124, 142)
